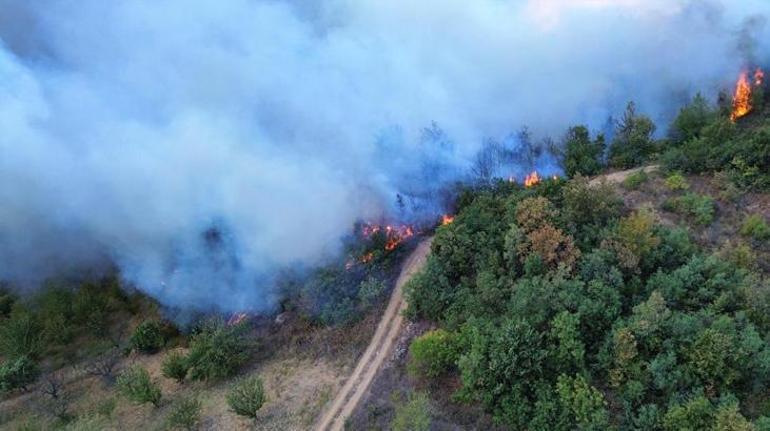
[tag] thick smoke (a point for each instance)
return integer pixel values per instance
(200, 145)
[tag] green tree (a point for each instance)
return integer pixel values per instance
(581, 155)
(135, 384)
(412, 415)
(247, 397)
(432, 354)
(148, 337)
(175, 366)
(217, 351)
(21, 335)
(692, 119)
(585, 403)
(18, 373)
(633, 143)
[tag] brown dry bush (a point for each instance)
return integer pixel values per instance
(552, 245)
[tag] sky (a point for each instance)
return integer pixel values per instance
(130, 129)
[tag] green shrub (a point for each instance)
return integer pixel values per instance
(148, 337)
(21, 335)
(7, 299)
(412, 415)
(185, 414)
(175, 366)
(106, 407)
(700, 208)
(633, 143)
(91, 308)
(217, 351)
(677, 182)
(369, 291)
(432, 354)
(755, 227)
(581, 155)
(18, 374)
(247, 397)
(136, 385)
(692, 119)
(635, 180)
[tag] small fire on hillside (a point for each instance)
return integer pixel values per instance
(447, 219)
(744, 89)
(532, 179)
(394, 235)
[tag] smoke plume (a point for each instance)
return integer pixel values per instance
(201, 145)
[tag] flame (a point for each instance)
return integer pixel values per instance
(447, 219)
(394, 235)
(743, 91)
(532, 179)
(366, 258)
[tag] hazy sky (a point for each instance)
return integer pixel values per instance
(129, 128)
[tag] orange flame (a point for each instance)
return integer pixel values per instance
(532, 179)
(742, 98)
(394, 235)
(367, 257)
(447, 219)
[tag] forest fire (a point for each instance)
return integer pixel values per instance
(394, 235)
(742, 103)
(532, 179)
(447, 219)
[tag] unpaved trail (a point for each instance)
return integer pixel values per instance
(379, 348)
(619, 177)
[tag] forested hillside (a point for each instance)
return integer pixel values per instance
(588, 305)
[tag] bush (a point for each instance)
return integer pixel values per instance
(91, 308)
(633, 143)
(21, 335)
(175, 366)
(247, 397)
(581, 155)
(185, 414)
(217, 351)
(412, 415)
(148, 337)
(700, 208)
(677, 182)
(369, 291)
(755, 227)
(136, 385)
(635, 180)
(534, 213)
(18, 374)
(432, 354)
(692, 119)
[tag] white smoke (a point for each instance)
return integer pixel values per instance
(130, 129)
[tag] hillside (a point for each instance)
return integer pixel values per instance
(637, 300)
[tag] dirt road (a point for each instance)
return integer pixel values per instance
(379, 348)
(619, 177)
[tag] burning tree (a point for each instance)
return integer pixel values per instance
(743, 99)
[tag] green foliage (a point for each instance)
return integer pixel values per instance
(677, 182)
(581, 155)
(21, 335)
(185, 414)
(755, 227)
(370, 291)
(412, 415)
(217, 350)
(635, 180)
(694, 415)
(18, 373)
(692, 119)
(135, 384)
(633, 143)
(175, 366)
(247, 397)
(700, 208)
(148, 337)
(432, 354)
(584, 402)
